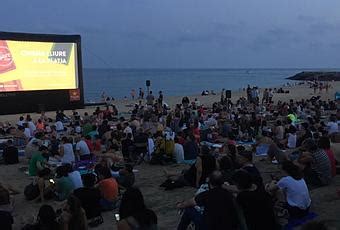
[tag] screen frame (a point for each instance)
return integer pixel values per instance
(55, 38)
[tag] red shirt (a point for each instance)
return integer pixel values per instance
(89, 144)
(331, 158)
(196, 132)
(108, 189)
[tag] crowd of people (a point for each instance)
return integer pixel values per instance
(87, 161)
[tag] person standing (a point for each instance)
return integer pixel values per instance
(160, 98)
(149, 99)
(133, 94)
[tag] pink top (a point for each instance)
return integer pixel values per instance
(331, 158)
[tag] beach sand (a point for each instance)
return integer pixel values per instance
(325, 201)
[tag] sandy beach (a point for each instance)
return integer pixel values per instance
(325, 201)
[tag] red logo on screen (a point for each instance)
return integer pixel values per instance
(74, 94)
(6, 60)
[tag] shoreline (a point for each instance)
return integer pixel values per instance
(297, 92)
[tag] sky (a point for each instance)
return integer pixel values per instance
(188, 33)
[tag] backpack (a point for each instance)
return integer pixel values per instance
(31, 191)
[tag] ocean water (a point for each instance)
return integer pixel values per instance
(174, 82)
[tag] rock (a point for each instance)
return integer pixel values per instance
(319, 76)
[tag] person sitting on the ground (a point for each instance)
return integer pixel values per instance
(74, 176)
(33, 145)
(205, 165)
(66, 151)
(178, 152)
(332, 125)
(82, 150)
(141, 142)
(325, 144)
(125, 176)
(64, 184)
(295, 190)
(108, 188)
(45, 189)
(219, 209)
(133, 212)
(73, 217)
(197, 174)
(10, 153)
(38, 161)
(257, 206)
(315, 164)
(46, 220)
(191, 149)
(245, 159)
(291, 137)
(89, 197)
(127, 146)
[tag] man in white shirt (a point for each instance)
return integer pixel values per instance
(21, 121)
(31, 126)
(27, 131)
(82, 150)
(332, 126)
(59, 126)
(178, 152)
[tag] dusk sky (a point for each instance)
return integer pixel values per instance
(188, 33)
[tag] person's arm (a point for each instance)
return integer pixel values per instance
(305, 158)
(41, 185)
(199, 170)
(39, 165)
(186, 204)
(61, 151)
(231, 188)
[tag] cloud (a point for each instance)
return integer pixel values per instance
(276, 37)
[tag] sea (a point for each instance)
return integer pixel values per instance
(118, 83)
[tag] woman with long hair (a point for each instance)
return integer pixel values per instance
(134, 214)
(73, 215)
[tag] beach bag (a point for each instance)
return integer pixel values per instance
(31, 191)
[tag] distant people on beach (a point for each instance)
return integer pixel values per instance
(133, 94)
(141, 94)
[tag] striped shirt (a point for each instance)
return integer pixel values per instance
(322, 166)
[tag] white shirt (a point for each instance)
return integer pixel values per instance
(27, 133)
(20, 123)
(296, 191)
(77, 129)
(32, 127)
(76, 179)
(332, 127)
(179, 153)
(68, 157)
(151, 146)
(291, 141)
(59, 126)
(82, 147)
